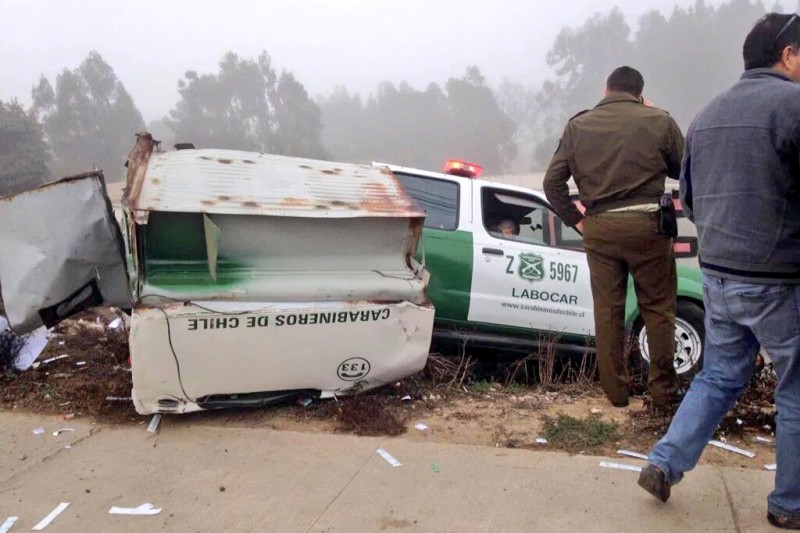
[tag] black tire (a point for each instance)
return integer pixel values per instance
(690, 334)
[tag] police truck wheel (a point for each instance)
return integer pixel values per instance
(690, 334)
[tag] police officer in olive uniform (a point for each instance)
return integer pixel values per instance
(619, 154)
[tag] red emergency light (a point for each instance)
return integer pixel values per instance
(463, 169)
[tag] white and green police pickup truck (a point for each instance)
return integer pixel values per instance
(515, 290)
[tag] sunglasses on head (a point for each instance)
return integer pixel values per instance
(785, 28)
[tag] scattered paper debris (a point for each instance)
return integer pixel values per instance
(35, 343)
(733, 449)
(62, 343)
(771, 467)
(146, 509)
(619, 466)
(154, 422)
(80, 363)
(436, 468)
(116, 323)
(8, 524)
(765, 440)
(629, 453)
(118, 398)
(406, 398)
(541, 440)
(64, 404)
(70, 416)
(389, 459)
(421, 426)
(58, 432)
(52, 516)
(596, 411)
(739, 422)
(38, 431)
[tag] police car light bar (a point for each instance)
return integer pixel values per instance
(463, 169)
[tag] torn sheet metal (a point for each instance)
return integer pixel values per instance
(629, 453)
(146, 509)
(152, 427)
(226, 355)
(620, 466)
(52, 516)
(733, 449)
(64, 259)
(388, 457)
(8, 524)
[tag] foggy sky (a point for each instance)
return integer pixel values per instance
(355, 43)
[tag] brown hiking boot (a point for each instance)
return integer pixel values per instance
(654, 481)
(783, 522)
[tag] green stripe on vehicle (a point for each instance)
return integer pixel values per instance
(448, 257)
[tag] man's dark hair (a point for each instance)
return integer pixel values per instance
(769, 37)
(626, 80)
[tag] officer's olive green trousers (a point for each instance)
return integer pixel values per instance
(619, 245)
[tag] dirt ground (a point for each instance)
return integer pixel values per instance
(462, 411)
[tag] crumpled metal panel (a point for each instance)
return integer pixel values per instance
(61, 250)
(249, 183)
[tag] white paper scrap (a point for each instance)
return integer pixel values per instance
(11, 520)
(541, 440)
(35, 343)
(38, 431)
(80, 363)
(58, 432)
(619, 466)
(146, 509)
(52, 516)
(629, 453)
(771, 467)
(765, 440)
(389, 459)
(421, 426)
(117, 322)
(154, 422)
(733, 449)
(406, 398)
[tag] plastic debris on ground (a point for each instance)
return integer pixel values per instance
(8, 524)
(764, 440)
(38, 431)
(733, 449)
(154, 422)
(541, 440)
(629, 453)
(436, 468)
(421, 426)
(52, 359)
(620, 466)
(118, 399)
(406, 398)
(388, 457)
(52, 516)
(115, 324)
(58, 432)
(305, 402)
(146, 509)
(771, 468)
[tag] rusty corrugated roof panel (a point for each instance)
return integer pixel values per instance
(248, 183)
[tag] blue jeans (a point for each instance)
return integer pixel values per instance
(739, 318)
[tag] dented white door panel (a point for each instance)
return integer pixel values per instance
(61, 252)
(190, 357)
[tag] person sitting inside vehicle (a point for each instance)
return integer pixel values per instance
(506, 228)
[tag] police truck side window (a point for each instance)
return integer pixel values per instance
(439, 199)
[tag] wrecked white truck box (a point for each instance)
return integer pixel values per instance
(252, 277)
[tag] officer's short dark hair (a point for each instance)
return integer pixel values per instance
(769, 37)
(626, 80)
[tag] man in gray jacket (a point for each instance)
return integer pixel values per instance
(740, 184)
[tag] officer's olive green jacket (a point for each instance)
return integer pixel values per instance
(619, 153)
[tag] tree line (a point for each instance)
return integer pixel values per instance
(86, 119)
